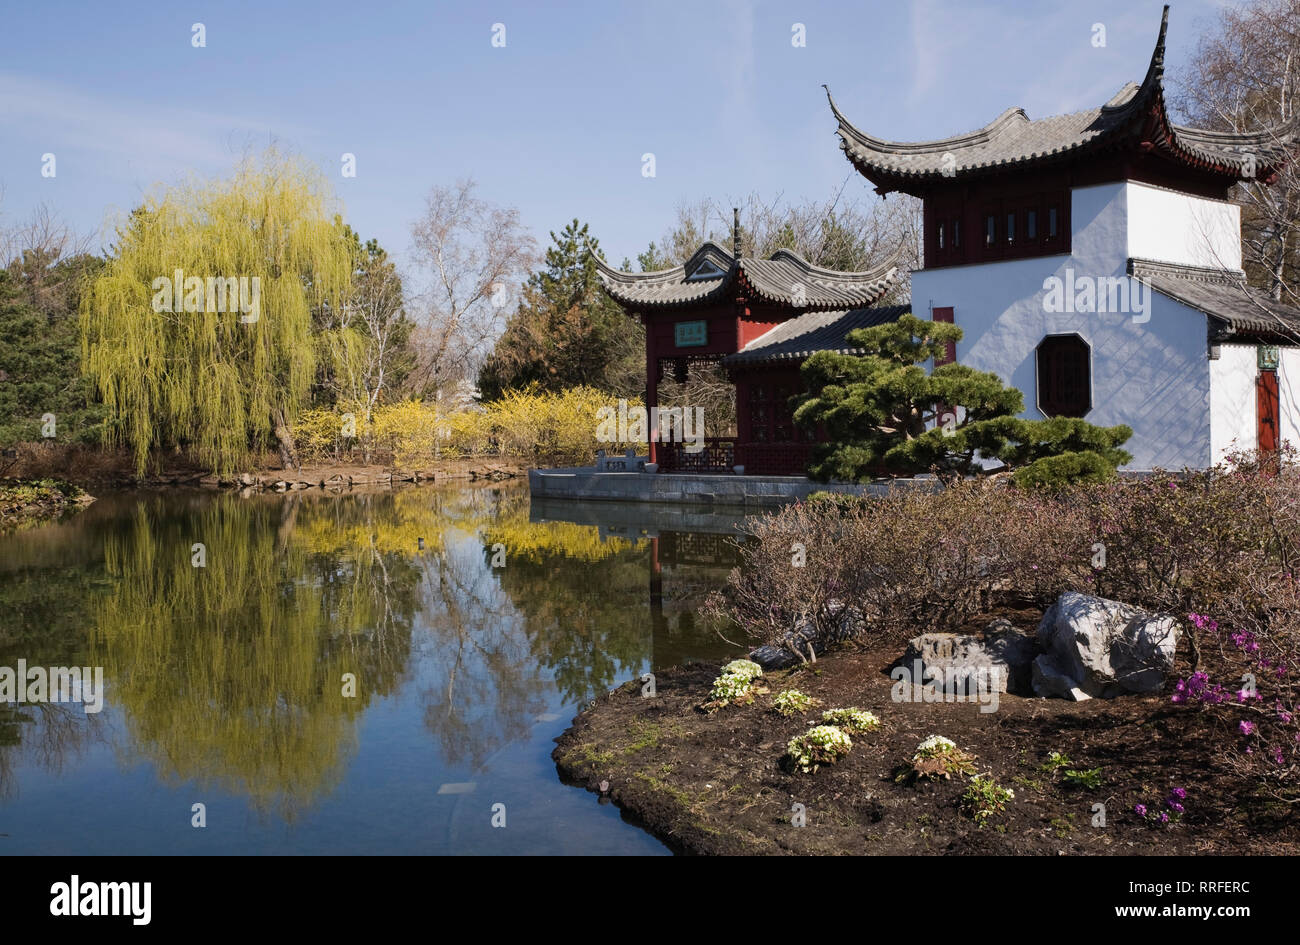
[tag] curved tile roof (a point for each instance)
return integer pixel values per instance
(1136, 113)
(1224, 296)
(715, 275)
(804, 336)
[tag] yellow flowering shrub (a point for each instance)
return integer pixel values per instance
(544, 428)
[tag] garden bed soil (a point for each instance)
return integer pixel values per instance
(714, 783)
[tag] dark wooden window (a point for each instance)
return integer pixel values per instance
(998, 224)
(1064, 376)
(783, 429)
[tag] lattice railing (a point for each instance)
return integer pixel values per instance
(717, 456)
(774, 459)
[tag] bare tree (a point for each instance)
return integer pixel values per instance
(1245, 77)
(839, 232)
(32, 248)
(476, 254)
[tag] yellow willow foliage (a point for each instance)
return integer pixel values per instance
(215, 379)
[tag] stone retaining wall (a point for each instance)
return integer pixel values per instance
(586, 484)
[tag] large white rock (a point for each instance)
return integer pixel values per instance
(1093, 647)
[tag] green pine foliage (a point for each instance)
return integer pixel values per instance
(884, 414)
(39, 351)
(566, 331)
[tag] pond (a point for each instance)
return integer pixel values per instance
(335, 674)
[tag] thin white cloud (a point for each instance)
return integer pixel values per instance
(157, 137)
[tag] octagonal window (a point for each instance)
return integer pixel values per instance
(1064, 376)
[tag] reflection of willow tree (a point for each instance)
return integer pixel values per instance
(583, 600)
(43, 618)
(232, 673)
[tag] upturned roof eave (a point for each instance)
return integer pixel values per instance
(1130, 118)
(823, 289)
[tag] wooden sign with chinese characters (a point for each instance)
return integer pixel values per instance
(691, 334)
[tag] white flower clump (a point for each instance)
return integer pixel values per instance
(728, 687)
(792, 702)
(934, 745)
(821, 744)
(744, 668)
(853, 721)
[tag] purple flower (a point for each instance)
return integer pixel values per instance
(1175, 807)
(1277, 755)
(1247, 727)
(1140, 810)
(1180, 793)
(1164, 817)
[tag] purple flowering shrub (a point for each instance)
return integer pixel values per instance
(1169, 813)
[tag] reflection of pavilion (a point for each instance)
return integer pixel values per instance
(691, 552)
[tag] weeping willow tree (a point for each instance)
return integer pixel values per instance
(199, 331)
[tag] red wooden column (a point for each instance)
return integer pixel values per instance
(651, 383)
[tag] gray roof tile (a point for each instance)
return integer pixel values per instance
(804, 336)
(1222, 294)
(785, 279)
(1013, 139)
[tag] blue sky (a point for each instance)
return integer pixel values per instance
(555, 123)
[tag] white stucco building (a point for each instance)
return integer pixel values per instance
(1093, 261)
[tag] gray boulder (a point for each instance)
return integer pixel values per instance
(1000, 658)
(1098, 648)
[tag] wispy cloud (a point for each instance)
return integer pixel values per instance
(130, 133)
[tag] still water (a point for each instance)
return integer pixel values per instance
(320, 683)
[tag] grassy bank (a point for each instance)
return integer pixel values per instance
(24, 502)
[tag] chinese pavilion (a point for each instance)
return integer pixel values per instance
(759, 318)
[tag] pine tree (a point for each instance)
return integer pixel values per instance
(886, 415)
(39, 368)
(566, 330)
